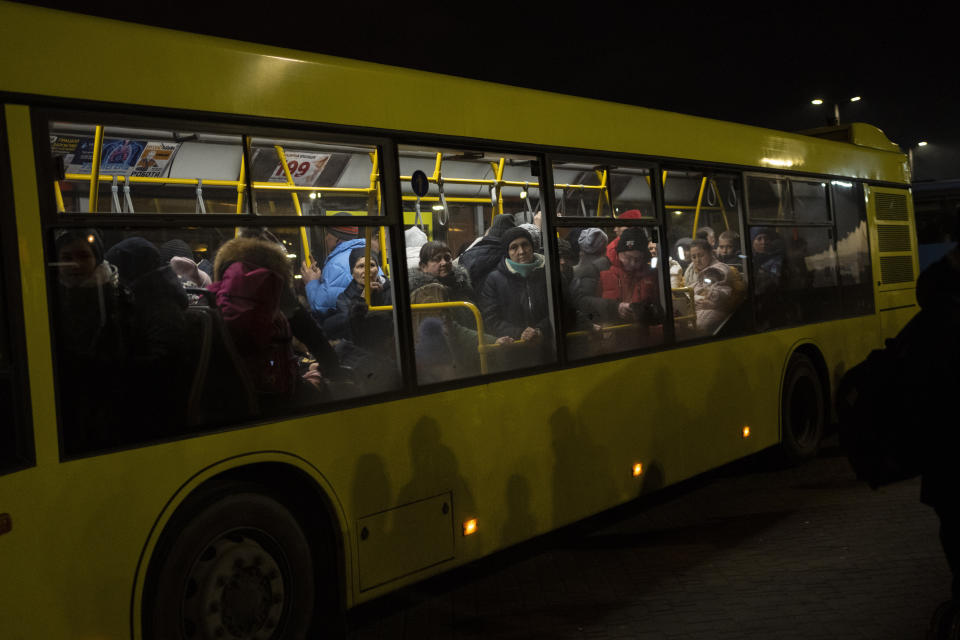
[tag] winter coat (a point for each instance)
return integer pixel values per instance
(938, 293)
(619, 285)
(354, 322)
(250, 279)
(510, 303)
(336, 275)
(458, 289)
(413, 239)
(481, 259)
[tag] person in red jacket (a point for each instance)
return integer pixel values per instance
(631, 282)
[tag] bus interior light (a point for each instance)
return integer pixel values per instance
(470, 527)
(855, 99)
(637, 469)
(438, 207)
(523, 194)
(313, 195)
(922, 143)
(745, 432)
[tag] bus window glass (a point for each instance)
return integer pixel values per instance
(213, 326)
(477, 273)
(853, 250)
(809, 200)
(794, 274)
(767, 198)
(610, 286)
(706, 252)
(591, 191)
(146, 170)
(310, 178)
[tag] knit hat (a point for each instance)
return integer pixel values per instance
(501, 223)
(175, 247)
(592, 240)
(632, 214)
(134, 257)
(633, 239)
(514, 233)
(359, 252)
(432, 346)
(534, 232)
(344, 232)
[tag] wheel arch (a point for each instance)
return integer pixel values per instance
(301, 487)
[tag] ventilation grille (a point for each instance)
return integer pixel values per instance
(894, 269)
(891, 206)
(893, 237)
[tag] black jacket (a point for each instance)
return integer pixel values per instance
(482, 259)
(353, 321)
(510, 303)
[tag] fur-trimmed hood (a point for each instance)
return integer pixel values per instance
(252, 251)
(458, 279)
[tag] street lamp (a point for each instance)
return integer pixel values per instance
(836, 108)
(922, 143)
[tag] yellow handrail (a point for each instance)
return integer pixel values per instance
(241, 185)
(59, 196)
(462, 304)
(696, 216)
(92, 201)
(296, 203)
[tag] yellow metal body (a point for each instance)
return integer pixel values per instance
(523, 456)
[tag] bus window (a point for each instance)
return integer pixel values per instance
(809, 200)
(768, 198)
(853, 250)
(708, 262)
(297, 177)
(480, 299)
(214, 326)
(146, 170)
(794, 275)
(610, 288)
(591, 191)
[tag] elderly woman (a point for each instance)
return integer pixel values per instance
(514, 296)
(717, 288)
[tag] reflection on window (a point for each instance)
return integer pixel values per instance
(809, 201)
(146, 170)
(768, 198)
(477, 273)
(795, 275)
(610, 288)
(593, 191)
(297, 177)
(853, 250)
(165, 332)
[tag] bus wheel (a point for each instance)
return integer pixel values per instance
(803, 409)
(240, 567)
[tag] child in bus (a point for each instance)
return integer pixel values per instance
(717, 288)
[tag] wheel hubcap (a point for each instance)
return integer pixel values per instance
(235, 591)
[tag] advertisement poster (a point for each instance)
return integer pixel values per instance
(119, 156)
(305, 167)
(154, 159)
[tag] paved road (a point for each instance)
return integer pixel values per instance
(748, 552)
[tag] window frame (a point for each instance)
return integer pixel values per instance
(21, 423)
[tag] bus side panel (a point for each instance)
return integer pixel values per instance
(893, 252)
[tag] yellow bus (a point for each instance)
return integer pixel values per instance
(182, 455)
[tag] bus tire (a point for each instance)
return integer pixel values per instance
(802, 409)
(238, 565)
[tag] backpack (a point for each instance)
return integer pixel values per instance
(877, 404)
(249, 300)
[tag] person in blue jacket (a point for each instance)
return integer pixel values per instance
(324, 285)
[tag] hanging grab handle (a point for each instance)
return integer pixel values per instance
(443, 216)
(116, 208)
(201, 206)
(126, 195)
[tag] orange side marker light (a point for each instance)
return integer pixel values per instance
(638, 470)
(745, 432)
(470, 527)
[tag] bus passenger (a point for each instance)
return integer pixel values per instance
(708, 234)
(728, 249)
(767, 259)
(156, 331)
(89, 338)
(413, 239)
(436, 264)
(514, 296)
(482, 257)
(717, 287)
(630, 284)
(323, 285)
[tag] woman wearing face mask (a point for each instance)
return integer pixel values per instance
(514, 296)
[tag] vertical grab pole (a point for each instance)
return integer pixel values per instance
(696, 215)
(241, 184)
(375, 178)
(366, 265)
(604, 194)
(296, 203)
(95, 169)
(59, 196)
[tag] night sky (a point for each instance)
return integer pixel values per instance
(760, 65)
